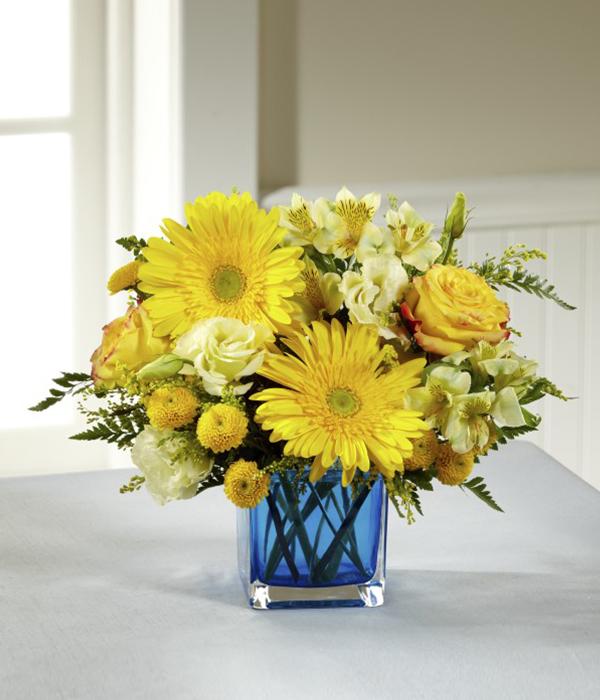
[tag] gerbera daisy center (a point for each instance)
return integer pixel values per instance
(228, 283)
(343, 402)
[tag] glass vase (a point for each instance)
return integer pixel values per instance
(320, 545)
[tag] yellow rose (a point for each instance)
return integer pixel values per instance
(450, 309)
(127, 345)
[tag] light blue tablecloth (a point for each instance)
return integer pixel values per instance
(109, 596)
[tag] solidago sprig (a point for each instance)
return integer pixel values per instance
(510, 271)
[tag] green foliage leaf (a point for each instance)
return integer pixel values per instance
(133, 244)
(510, 272)
(120, 428)
(421, 478)
(541, 387)
(477, 486)
(71, 383)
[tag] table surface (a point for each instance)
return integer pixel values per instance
(105, 595)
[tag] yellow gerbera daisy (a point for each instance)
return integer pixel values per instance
(227, 263)
(337, 400)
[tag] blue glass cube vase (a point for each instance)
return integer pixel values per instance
(317, 545)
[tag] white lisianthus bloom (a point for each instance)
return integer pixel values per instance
(349, 228)
(369, 295)
(412, 237)
(167, 477)
(303, 219)
(224, 351)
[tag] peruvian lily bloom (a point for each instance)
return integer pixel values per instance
(497, 361)
(468, 419)
(321, 293)
(412, 237)
(303, 220)
(349, 228)
(444, 385)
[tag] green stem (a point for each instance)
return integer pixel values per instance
(352, 553)
(329, 557)
(294, 515)
(276, 555)
(448, 250)
(283, 545)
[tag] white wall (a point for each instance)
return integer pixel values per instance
(398, 89)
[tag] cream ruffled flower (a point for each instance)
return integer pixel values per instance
(168, 478)
(411, 236)
(349, 228)
(370, 294)
(224, 351)
(303, 220)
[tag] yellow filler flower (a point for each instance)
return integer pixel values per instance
(335, 399)
(425, 450)
(222, 428)
(227, 263)
(245, 485)
(453, 468)
(124, 277)
(171, 407)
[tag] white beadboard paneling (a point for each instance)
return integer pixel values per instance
(590, 344)
(564, 349)
(528, 317)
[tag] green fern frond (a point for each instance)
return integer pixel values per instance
(478, 487)
(71, 383)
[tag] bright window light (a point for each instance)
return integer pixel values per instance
(36, 282)
(35, 55)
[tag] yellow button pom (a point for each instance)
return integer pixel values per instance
(425, 450)
(453, 468)
(171, 407)
(245, 485)
(222, 428)
(124, 277)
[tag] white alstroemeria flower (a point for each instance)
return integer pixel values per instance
(443, 386)
(468, 418)
(499, 362)
(506, 409)
(349, 228)
(303, 219)
(412, 237)
(467, 425)
(224, 350)
(513, 371)
(369, 295)
(321, 293)
(168, 477)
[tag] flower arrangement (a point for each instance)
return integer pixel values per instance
(256, 342)
(306, 339)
